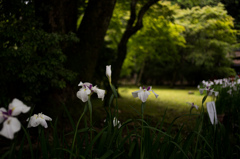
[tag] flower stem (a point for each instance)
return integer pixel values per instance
(141, 150)
(75, 134)
(116, 97)
(90, 111)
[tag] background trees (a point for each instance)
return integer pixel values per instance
(32, 60)
(210, 37)
(194, 44)
(48, 46)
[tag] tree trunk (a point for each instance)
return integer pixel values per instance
(131, 29)
(57, 15)
(91, 33)
(61, 17)
(140, 74)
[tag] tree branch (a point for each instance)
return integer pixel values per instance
(130, 30)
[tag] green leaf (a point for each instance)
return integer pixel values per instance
(69, 116)
(107, 154)
(179, 147)
(29, 142)
(114, 91)
(204, 98)
(132, 146)
(93, 141)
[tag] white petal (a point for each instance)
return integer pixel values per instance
(143, 95)
(45, 117)
(83, 94)
(201, 91)
(215, 112)
(87, 84)
(43, 122)
(10, 127)
(212, 112)
(216, 94)
(18, 107)
(156, 95)
(1, 115)
(100, 92)
(119, 124)
(34, 121)
(15, 124)
(84, 84)
(116, 122)
(108, 71)
(135, 94)
(80, 84)
(195, 106)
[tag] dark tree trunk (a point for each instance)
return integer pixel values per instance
(57, 15)
(131, 29)
(139, 77)
(61, 16)
(91, 33)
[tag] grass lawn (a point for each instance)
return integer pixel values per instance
(170, 99)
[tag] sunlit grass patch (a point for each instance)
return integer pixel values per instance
(170, 99)
(174, 100)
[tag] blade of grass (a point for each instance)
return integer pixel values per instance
(94, 140)
(69, 116)
(179, 147)
(43, 145)
(5, 154)
(117, 156)
(21, 148)
(107, 154)
(29, 142)
(204, 139)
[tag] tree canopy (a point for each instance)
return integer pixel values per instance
(195, 44)
(48, 46)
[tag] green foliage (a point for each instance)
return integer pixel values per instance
(178, 44)
(117, 24)
(32, 60)
(158, 41)
(209, 35)
(193, 3)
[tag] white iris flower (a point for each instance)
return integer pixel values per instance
(143, 93)
(87, 90)
(192, 105)
(37, 119)
(11, 124)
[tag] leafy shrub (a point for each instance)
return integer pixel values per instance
(32, 60)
